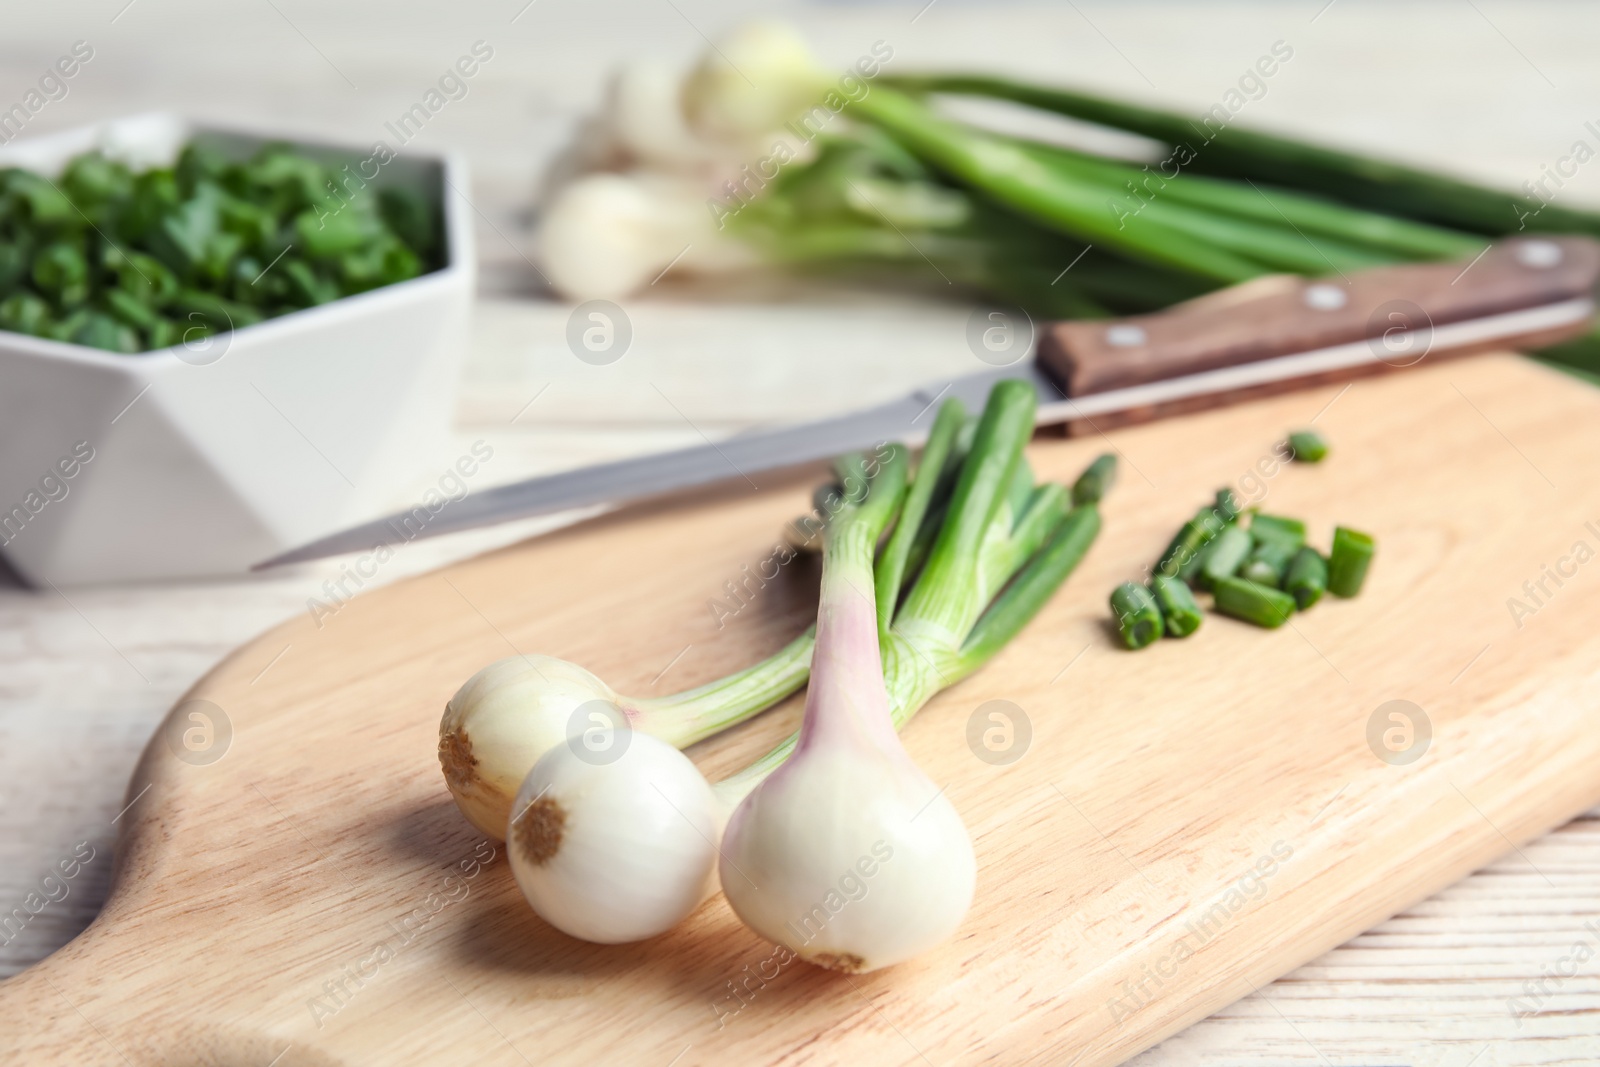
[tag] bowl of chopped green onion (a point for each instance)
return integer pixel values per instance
(216, 345)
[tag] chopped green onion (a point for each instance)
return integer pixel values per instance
(61, 273)
(1228, 507)
(1178, 609)
(1349, 560)
(24, 313)
(99, 256)
(131, 310)
(1093, 484)
(1189, 570)
(1188, 541)
(99, 330)
(1307, 577)
(1253, 602)
(1264, 527)
(1269, 561)
(1307, 446)
(1226, 555)
(1138, 616)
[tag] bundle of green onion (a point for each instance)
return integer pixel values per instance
(895, 188)
(614, 835)
(127, 262)
(1008, 216)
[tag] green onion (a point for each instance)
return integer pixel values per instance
(944, 600)
(132, 262)
(1188, 541)
(1284, 212)
(61, 273)
(1018, 180)
(1189, 570)
(1269, 560)
(1178, 610)
(906, 193)
(777, 833)
(1261, 235)
(1307, 577)
(1253, 602)
(1093, 484)
(1227, 507)
(1031, 588)
(949, 625)
(24, 313)
(1235, 152)
(937, 455)
(1264, 527)
(1137, 614)
(952, 622)
(1348, 561)
(1344, 203)
(1307, 446)
(1227, 554)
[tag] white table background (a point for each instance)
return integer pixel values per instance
(1487, 87)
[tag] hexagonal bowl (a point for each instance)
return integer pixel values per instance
(205, 458)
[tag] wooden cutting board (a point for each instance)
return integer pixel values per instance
(1185, 824)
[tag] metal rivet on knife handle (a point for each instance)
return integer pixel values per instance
(1325, 297)
(1125, 335)
(1538, 254)
(1253, 324)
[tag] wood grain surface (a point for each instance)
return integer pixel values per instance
(1217, 793)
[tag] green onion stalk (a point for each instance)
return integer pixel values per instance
(956, 617)
(894, 192)
(513, 711)
(1343, 202)
(868, 209)
(1012, 213)
(1394, 189)
(1002, 547)
(1223, 231)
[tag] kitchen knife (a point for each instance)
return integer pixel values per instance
(1268, 335)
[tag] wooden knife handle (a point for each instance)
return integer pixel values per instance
(1283, 314)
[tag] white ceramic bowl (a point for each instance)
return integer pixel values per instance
(204, 459)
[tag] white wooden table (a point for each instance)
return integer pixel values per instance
(1485, 86)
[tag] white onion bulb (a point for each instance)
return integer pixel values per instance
(605, 235)
(644, 114)
(757, 78)
(847, 854)
(850, 857)
(501, 721)
(614, 847)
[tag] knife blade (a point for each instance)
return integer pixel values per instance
(907, 418)
(1263, 336)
